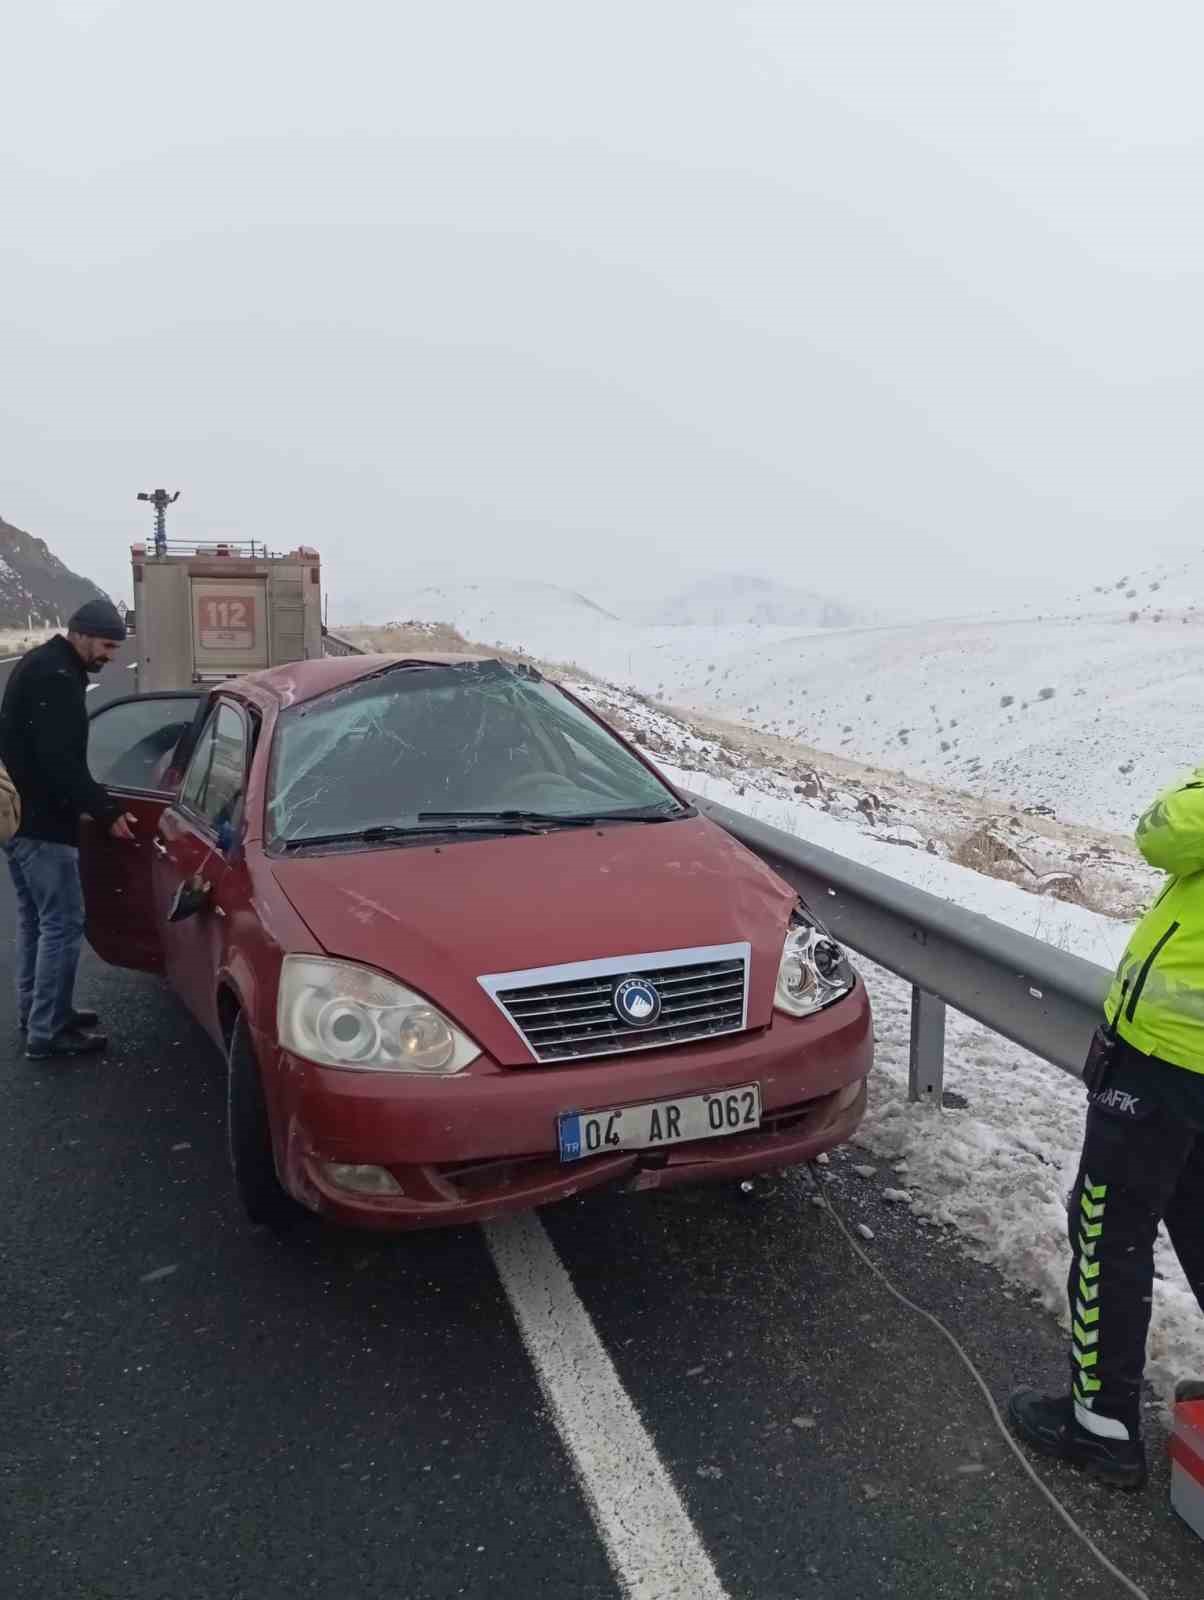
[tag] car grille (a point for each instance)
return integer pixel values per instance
(566, 1013)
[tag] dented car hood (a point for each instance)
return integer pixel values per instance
(437, 917)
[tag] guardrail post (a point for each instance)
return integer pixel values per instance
(926, 1074)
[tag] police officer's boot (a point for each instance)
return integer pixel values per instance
(1048, 1423)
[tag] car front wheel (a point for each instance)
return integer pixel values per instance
(263, 1196)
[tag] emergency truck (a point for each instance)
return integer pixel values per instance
(211, 611)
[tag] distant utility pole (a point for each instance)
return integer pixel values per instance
(160, 499)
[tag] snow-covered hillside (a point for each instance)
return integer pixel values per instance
(1087, 715)
(1168, 590)
(561, 625)
(732, 599)
(1088, 709)
(658, 593)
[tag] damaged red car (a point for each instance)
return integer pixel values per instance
(463, 949)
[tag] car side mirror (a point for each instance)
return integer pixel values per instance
(192, 896)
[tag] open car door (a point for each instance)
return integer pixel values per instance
(135, 749)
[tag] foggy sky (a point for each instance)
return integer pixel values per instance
(894, 299)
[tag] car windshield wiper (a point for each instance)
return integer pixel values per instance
(662, 811)
(445, 822)
(384, 832)
(526, 821)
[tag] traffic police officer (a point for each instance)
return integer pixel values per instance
(1142, 1160)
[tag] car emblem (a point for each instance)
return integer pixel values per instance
(636, 1002)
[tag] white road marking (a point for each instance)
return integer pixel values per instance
(652, 1544)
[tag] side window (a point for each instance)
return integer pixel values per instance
(130, 742)
(213, 784)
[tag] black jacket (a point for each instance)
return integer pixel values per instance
(44, 744)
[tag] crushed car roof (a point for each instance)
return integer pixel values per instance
(298, 681)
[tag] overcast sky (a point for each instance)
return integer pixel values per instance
(895, 299)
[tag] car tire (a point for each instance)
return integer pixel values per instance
(264, 1198)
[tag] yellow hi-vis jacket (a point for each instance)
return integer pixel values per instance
(1157, 995)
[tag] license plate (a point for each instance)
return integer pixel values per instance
(659, 1122)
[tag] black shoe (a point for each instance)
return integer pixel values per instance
(1189, 1389)
(75, 1021)
(68, 1043)
(1048, 1423)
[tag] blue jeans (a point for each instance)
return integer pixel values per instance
(50, 932)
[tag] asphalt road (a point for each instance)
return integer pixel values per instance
(193, 1408)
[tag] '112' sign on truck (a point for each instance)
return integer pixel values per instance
(225, 621)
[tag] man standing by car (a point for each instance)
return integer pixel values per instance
(1142, 1159)
(44, 745)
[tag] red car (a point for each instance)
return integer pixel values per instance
(464, 950)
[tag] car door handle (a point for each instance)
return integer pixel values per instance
(159, 845)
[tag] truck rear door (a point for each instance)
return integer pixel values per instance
(230, 626)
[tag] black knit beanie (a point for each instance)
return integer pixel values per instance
(98, 619)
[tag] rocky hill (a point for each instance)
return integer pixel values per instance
(36, 589)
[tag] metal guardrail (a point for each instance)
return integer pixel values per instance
(1039, 997)
(334, 645)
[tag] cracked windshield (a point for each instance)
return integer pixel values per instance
(405, 750)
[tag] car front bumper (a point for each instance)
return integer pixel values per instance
(483, 1143)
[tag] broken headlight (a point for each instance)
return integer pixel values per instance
(813, 972)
